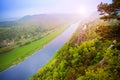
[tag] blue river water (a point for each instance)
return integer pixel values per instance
(32, 64)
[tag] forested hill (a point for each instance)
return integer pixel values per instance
(41, 19)
(86, 56)
(93, 52)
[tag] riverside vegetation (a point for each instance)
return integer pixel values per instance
(93, 52)
(22, 38)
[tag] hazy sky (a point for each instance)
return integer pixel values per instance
(18, 8)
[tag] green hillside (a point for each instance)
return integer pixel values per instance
(87, 59)
(93, 52)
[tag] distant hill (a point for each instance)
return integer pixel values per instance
(35, 24)
(56, 19)
(50, 16)
(41, 19)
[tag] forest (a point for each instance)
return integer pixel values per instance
(92, 53)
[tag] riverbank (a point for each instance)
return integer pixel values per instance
(19, 54)
(27, 68)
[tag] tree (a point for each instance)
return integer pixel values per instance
(110, 12)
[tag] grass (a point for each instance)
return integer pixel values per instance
(19, 54)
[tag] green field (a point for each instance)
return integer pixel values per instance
(19, 54)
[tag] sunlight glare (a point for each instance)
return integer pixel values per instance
(82, 11)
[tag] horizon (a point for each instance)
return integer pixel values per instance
(35, 7)
(20, 17)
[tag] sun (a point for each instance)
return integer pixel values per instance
(82, 11)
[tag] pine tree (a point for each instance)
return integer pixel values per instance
(110, 12)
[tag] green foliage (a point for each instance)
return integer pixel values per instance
(109, 32)
(91, 59)
(5, 49)
(99, 74)
(111, 9)
(72, 62)
(87, 55)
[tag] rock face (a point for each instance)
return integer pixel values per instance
(102, 62)
(112, 46)
(82, 34)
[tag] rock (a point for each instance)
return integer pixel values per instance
(102, 62)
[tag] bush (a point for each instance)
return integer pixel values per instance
(5, 49)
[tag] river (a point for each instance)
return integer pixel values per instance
(32, 64)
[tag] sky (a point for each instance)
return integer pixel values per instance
(19, 8)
